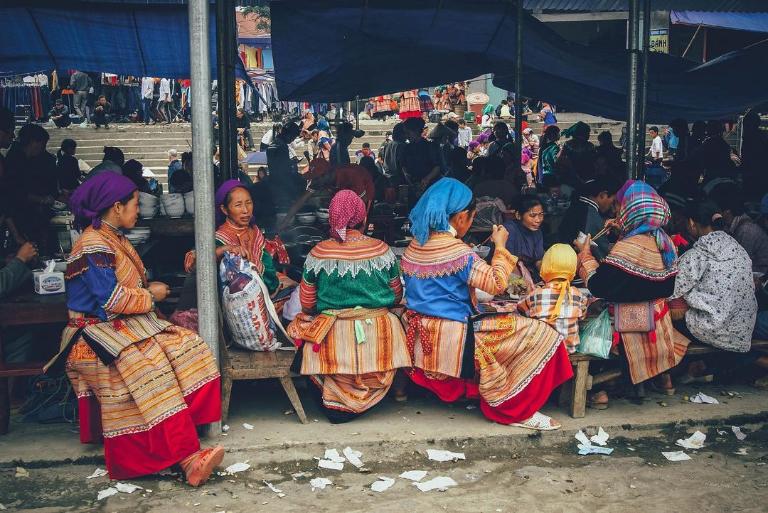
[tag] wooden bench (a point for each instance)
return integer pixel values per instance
(573, 394)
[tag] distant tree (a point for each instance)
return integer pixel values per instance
(262, 12)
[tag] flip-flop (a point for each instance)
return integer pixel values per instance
(538, 422)
(202, 468)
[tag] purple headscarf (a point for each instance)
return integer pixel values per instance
(97, 194)
(221, 197)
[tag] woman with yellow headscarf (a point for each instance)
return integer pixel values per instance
(556, 302)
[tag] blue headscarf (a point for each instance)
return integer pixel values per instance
(322, 124)
(444, 198)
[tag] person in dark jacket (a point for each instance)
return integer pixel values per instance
(101, 112)
(67, 166)
(286, 184)
(59, 114)
(588, 214)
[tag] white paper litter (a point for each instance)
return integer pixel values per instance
(247, 426)
(99, 472)
(330, 465)
(225, 428)
(108, 492)
(333, 455)
(237, 467)
(383, 484)
(438, 483)
(585, 444)
(440, 455)
(741, 452)
(737, 431)
(21, 472)
(274, 488)
(676, 456)
(414, 475)
(702, 398)
(319, 483)
(593, 449)
(2, 508)
(127, 487)
(695, 441)
(353, 456)
(600, 438)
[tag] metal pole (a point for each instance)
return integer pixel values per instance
(202, 138)
(634, 63)
(644, 83)
(357, 112)
(225, 12)
(519, 83)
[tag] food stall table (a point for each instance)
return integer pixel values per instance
(25, 309)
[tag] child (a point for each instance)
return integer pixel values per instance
(558, 303)
(365, 152)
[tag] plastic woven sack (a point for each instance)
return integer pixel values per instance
(248, 310)
(597, 336)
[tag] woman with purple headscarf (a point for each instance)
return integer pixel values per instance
(354, 343)
(143, 384)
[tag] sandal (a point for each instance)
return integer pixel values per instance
(662, 390)
(199, 466)
(598, 404)
(538, 422)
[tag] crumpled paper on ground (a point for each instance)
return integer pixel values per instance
(695, 441)
(383, 484)
(437, 483)
(319, 483)
(737, 431)
(353, 456)
(440, 455)
(601, 438)
(107, 492)
(702, 398)
(127, 487)
(414, 475)
(237, 467)
(99, 472)
(274, 488)
(585, 444)
(676, 456)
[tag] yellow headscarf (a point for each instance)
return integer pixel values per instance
(558, 268)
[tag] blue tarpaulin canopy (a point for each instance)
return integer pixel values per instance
(138, 40)
(374, 47)
(751, 22)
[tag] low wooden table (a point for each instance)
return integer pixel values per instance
(25, 309)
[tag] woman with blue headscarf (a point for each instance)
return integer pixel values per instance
(510, 363)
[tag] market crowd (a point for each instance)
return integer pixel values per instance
(643, 267)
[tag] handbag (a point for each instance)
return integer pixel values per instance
(317, 331)
(634, 317)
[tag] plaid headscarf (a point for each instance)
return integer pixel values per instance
(345, 211)
(644, 211)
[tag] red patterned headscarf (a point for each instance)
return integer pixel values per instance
(346, 210)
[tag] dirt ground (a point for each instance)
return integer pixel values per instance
(726, 475)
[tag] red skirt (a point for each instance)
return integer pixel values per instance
(165, 444)
(517, 409)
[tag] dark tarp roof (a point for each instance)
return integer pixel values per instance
(376, 47)
(656, 5)
(751, 22)
(136, 40)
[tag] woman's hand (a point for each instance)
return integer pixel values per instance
(584, 247)
(613, 225)
(238, 250)
(159, 291)
(27, 252)
(499, 236)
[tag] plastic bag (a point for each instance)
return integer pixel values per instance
(247, 307)
(597, 336)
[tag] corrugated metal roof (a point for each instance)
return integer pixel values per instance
(659, 5)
